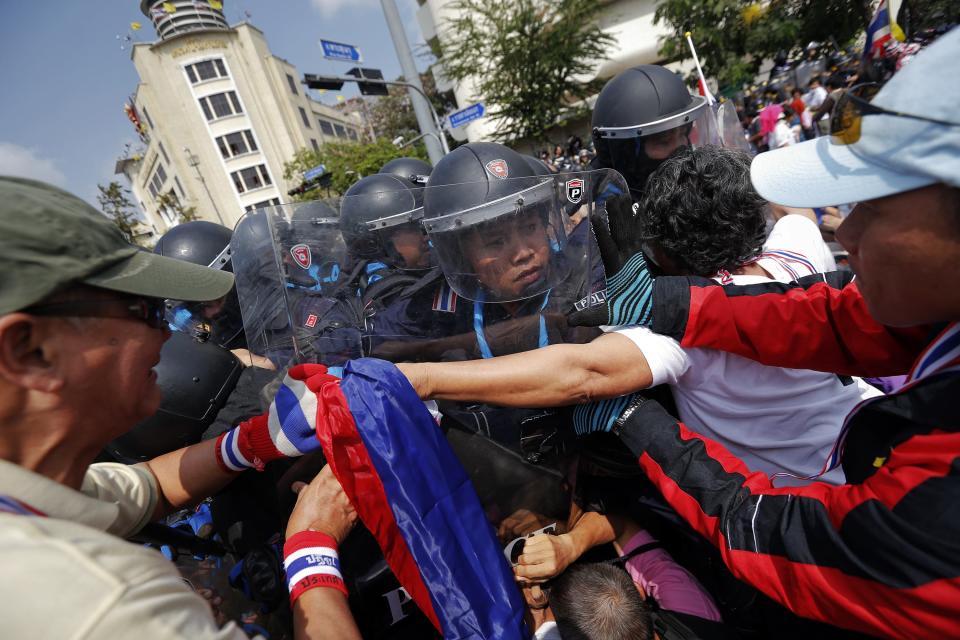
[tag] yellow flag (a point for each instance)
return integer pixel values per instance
(215, 4)
(340, 98)
(169, 8)
(136, 26)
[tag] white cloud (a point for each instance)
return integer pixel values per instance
(27, 163)
(329, 8)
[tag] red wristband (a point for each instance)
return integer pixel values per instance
(310, 560)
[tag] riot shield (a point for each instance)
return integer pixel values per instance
(732, 134)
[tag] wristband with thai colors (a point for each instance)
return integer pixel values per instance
(310, 560)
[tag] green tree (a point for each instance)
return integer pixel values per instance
(392, 115)
(346, 162)
(120, 209)
(527, 59)
(171, 202)
(733, 37)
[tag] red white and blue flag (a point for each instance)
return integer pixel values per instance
(411, 492)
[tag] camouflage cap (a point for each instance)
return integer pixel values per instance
(50, 238)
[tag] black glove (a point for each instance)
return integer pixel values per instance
(629, 294)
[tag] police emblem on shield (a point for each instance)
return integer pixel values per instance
(301, 255)
(498, 168)
(575, 190)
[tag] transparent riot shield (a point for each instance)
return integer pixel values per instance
(293, 291)
(731, 132)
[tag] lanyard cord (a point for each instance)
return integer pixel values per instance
(485, 351)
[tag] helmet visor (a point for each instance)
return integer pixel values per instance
(517, 246)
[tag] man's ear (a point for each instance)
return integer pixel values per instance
(25, 359)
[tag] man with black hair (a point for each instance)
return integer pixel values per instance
(700, 216)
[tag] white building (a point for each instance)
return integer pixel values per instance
(629, 22)
(218, 115)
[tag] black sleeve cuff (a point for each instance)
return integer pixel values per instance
(647, 422)
(671, 306)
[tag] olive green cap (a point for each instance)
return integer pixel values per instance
(50, 238)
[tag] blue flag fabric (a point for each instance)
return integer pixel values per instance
(435, 509)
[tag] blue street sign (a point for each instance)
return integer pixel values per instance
(340, 51)
(316, 172)
(471, 113)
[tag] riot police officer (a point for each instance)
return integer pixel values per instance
(641, 116)
(413, 170)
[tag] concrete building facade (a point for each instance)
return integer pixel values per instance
(218, 115)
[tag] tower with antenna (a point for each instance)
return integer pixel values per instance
(186, 16)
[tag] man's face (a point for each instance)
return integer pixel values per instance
(411, 243)
(109, 373)
(660, 145)
(511, 256)
(905, 250)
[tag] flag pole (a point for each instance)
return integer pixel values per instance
(696, 61)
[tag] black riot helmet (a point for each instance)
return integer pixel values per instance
(484, 207)
(641, 116)
(539, 166)
(380, 221)
(195, 378)
(413, 170)
(311, 247)
(199, 242)
(207, 244)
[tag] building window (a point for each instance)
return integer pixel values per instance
(272, 202)
(303, 116)
(251, 178)
(293, 84)
(155, 187)
(236, 144)
(352, 133)
(146, 114)
(326, 127)
(206, 70)
(313, 142)
(341, 132)
(163, 152)
(220, 105)
(179, 186)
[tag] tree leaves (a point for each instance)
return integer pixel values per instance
(527, 59)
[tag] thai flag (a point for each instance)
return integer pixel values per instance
(445, 299)
(414, 496)
(878, 32)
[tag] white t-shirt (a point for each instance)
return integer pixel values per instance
(782, 135)
(815, 98)
(774, 419)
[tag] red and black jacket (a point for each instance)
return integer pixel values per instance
(880, 555)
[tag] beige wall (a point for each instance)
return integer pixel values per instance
(271, 111)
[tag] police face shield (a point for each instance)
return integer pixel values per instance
(729, 129)
(218, 321)
(400, 239)
(518, 246)
(636, 151)
(292, 287)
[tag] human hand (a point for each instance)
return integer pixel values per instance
(322, 506)
(544, 557)
(520, 523)
(304, 394)
(629, 293)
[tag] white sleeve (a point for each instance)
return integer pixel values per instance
(798, 234)
(665, 357)
(132, 488)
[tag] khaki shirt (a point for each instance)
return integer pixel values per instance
(69, 574)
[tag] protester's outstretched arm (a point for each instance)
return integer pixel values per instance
(820, 322)
(874, 557)
(323, 513)
(546, 556)
(187, 476)
(553, 376)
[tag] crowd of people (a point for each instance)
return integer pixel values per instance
(619, 392)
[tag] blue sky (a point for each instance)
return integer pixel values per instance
(66, 79)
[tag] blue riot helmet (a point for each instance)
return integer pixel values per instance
(380, 222)
(207, 244)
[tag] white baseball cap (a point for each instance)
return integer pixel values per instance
(894, 153)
